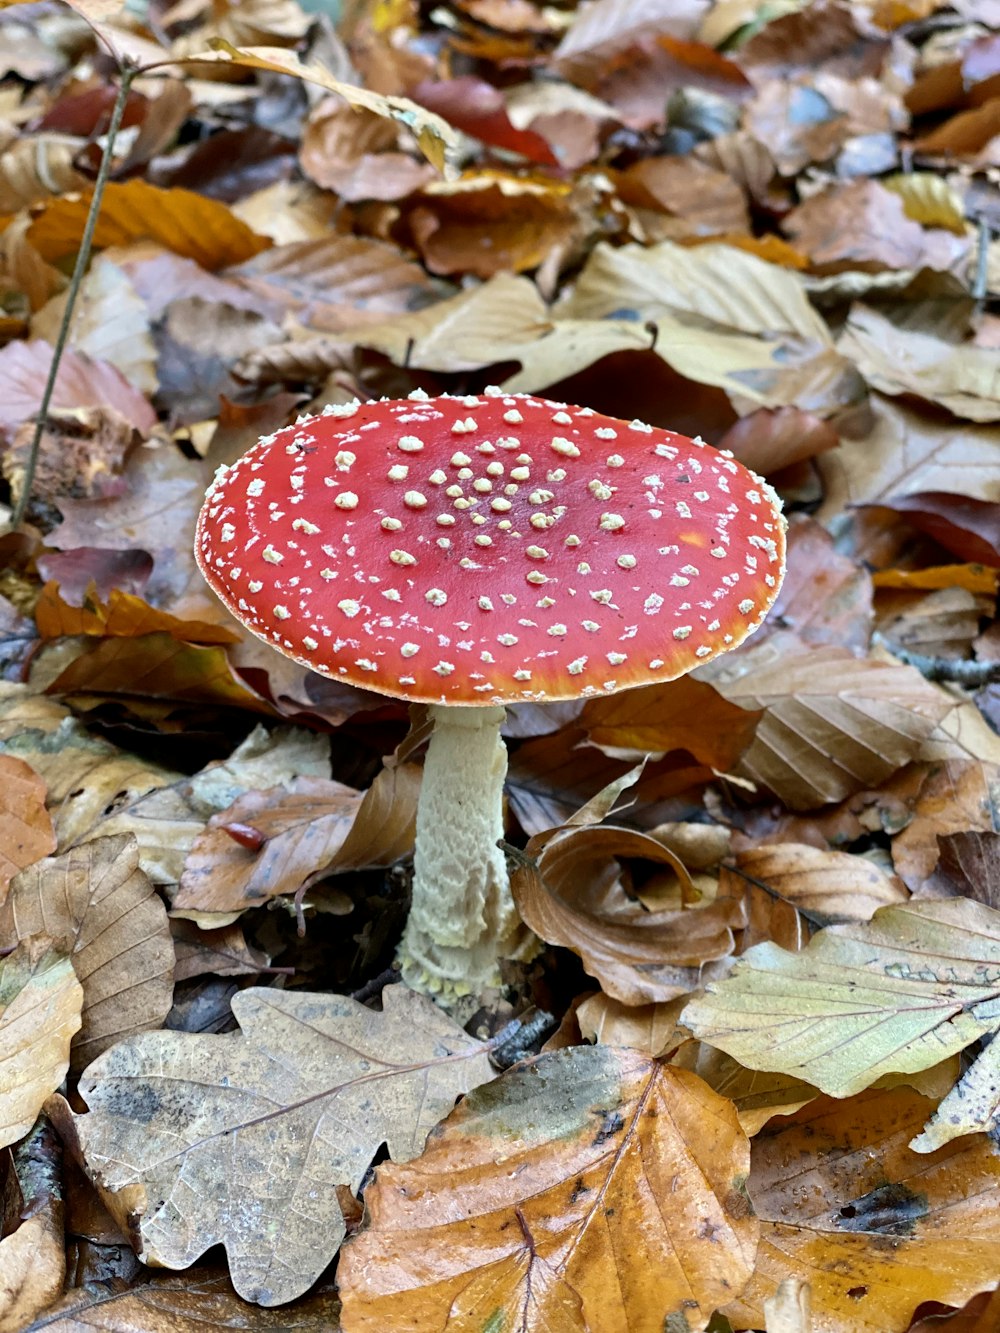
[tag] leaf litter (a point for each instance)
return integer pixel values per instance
(763, 897)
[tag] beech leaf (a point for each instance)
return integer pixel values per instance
(897, 994)
(40, 1001)
(241, 1139)
(588, 1189)
(97, 901)
(26, 831)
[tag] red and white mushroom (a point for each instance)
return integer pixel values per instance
(472, 552)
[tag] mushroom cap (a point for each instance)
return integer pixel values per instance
(491, 549)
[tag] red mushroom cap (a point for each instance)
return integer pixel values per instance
(491, 549)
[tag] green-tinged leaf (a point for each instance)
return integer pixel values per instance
(894, 995)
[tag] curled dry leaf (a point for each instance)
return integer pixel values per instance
(267, 1121)
(968, 866)
(122, 616)
(968, 528)
(98, 903)
(877, 1229)
(574, 1192)
(33, 1249)
(40, 1002)
(832, 723)
(893, 995)
(311, 826)
(829, 886)
(576, 897)
(26, 831)
(959, 796)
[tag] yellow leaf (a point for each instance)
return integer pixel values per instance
(928, 199)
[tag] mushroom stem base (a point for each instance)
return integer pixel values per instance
(463, 917)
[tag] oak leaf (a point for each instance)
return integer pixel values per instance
(96, 901)
(241, 1139)
(40, 1002)
(592, 1188)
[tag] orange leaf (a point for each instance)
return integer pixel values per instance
(26, 832)
(124, 617)
(189, 224)
(590, 1189)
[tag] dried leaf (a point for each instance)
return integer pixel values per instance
(826, 597)
(40, 1001)
(832, 724)
(959, 796)
(875, 1229)
(124, 616)
(26, 831)
(961, 377)
(186, 223)
(580, 1191)
(683, 714)
(312, 825)
(828, 886)
(968, 528)
(893, 995)
(80, 383)
(968, 867)
(651, 1029)
(769, 440)
(99, 905)
(928, 199)
(576, 898)
(33, 1251)
(268, 1120)
(606, 27)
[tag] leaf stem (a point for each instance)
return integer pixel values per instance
(128, 72)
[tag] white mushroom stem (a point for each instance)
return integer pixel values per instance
(463, 916)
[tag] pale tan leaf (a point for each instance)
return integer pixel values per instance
(605, 27)
(649, 1028)
(971, 1107)
(579, 1191)
(961, 377)
(787, 1311)
(721, 317)
(33, 1250)
(97, 900)
(833, 723)
(909, 452)
(829, 886)
(110, 324)
(959, 796)
(758, 1095)
(576, 898)
(893, 995)
(80, 383)
(37, 168)
(40, 1002)
(267, 1121)
(26, 831)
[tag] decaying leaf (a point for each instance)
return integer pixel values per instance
(576, 897)
(33, 1249)
(574, 1192)
(828, 886)
(40, 1002)
(26, 831)
(893, 995)
(833, 723)
(240, 1139)
(100, 906)
(874, 1228)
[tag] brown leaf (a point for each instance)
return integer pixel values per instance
(826, 597)
(908, 453)
(604, 28)
(968, 528)
(968, 867)
(223, 951)
(80, 383)
(124, 616)
(577, 898)
(33, 1249)
(829, 886)
(943, 623)
(97, 902)
(186, 223)
(862, 225)
(170, 1302)
(682, 714)
(960, 796)
(769, 440)
(269, 1120)
(353, 152)
(309, 826)
(651, 1029)
(475, 107)
(26, 831)
(833, 723)
(95, 570)
(586, 1189)
(877, 1229)
(699, 200)
(40, 1001)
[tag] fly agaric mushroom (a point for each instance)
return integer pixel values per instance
(472, 552)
